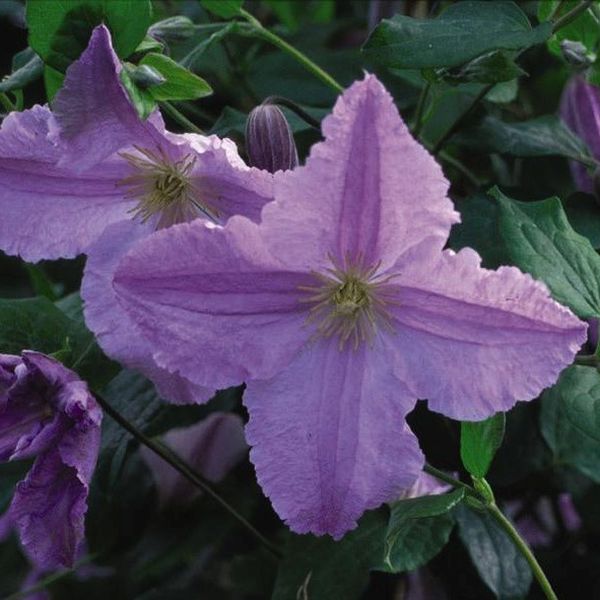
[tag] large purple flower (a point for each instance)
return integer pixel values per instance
(580, 110)
(340, 310)
(92, 177)
(47, 412)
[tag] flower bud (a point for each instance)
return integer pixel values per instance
(173, 29)
(576, 54)
(269, 140)
(145, 76)
(580, 105)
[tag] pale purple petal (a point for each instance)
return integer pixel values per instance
(580, 110)
(425, 485)
(47, 211)
(370, 188)
(33, 577)
(114, 330)
(213, 303)
(94, 114)
(213, 447)
(474, 341)
(329, 439)
(48, 510)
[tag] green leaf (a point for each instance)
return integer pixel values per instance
(223, 8)
(583, 212)
(321, 569)
(37, 324)
(479, 441)
(464, 31)
(542, 136)
(541, 241)
(418, 529)
(499, 564)
(217, 32)
(31, 70)
(570, 420)
(59, 31)
(180, 83)
(546, 9)
(53, 81)
(493, 67)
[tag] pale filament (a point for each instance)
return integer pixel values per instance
(350, 300)
(163, 187)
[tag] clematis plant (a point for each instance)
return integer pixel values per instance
(340, 310)
(47, 413)
(91, 176)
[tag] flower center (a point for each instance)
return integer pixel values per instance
(349, 300)
(163, 188)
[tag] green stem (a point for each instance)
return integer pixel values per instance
(280, 43)
(295, 109)
(588, 360)
(571, 15)
(5, 101)
(451, 480)
(522, 546)
(461, 118)
(459, 166)
(184, 469)
(420, 110)
(180, 118)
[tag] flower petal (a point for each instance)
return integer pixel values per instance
(114, 330)
(48, 510)
(212, 303)
(47, 211)
(370, 188)
(474, 341)
(94, 114)
(329, 439)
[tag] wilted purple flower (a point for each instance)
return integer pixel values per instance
(47, 412)
(341, 309)
(269, 140)
(92, 177)
(580, 110)
(213, 447)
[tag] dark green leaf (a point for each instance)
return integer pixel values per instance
(59, 31)
(583, 212)
(24, 75)
(223, 8)
(542, 136)
(53, 81)
(217, 32)
(321, 569)
(493, 67)
(464, 31)
(180, 83)
(541, 241)
(418, 529)
(570, 420)
(479, 442)
(500, 565)
(584, 29)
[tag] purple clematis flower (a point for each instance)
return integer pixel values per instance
(92, 177)
(47, 412)
(340, 310)
(580, 110)
(213, 447)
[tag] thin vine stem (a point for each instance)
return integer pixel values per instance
(5, 101)
(295, 109)
(180, 118)
(570, 16)
(184, 469)
(525, 550)
(280, 43)
(420, 110)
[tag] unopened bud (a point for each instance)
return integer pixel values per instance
(576, 54)
(145, 76)
(173, 29)
(269, 140)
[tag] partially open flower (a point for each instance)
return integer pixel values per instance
(269, 140)
(48, 413)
